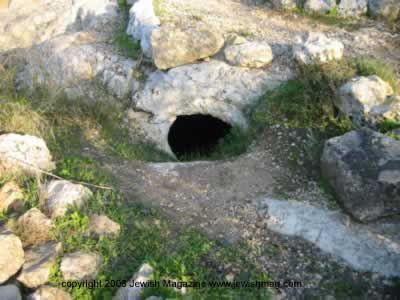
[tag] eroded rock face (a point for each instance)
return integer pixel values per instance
(46, 292)
(387, 9)
(362, 99)
(352, 8)
(11, 197)
(23, 154)
(34, 228)
(38, 261)
(60, 194)
(321, 6)
(251, 55)
(363, 167)
(317, 48)
(11, 255)
(10, 292)
(174, 46)
(80, 266)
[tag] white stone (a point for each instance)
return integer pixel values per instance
(352, 8)
(251, 55)
(80, 266)
(11, 255)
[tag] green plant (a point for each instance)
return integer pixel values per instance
(158, 8)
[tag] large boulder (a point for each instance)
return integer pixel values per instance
(363, 167)
(11, 255)
(80, 266)
(251, 55)
(46, 292)
(352, 8)
(320, 6)
(23, 154)
(386, 9)
(11, 197)
(173, 46)
(60, 194)
(362, 99)
(39, 260)
(142, 21)
(317, 48)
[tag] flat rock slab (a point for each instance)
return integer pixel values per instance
(80, 266)
(46, 292)
(11, 255)
(359, 247)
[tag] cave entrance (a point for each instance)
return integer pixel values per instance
(196, 135)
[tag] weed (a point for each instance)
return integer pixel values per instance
(388, 125)
(158, 10)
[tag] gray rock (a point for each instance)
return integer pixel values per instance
(386, 9)
(10, 292)
(284, 4)
(11, 255)
(396, 131)
(173, 46)
(23, 154)
(11, 197)
(330, 231)
(320, 6)
(317, 48)
(362, 97)
(352, 8)
(34, 228)
(144, 274)
(251, 55)
(60, 194)
(38, 261)
(80, 266)
(100, 225)
(363, 167)
(46, 292)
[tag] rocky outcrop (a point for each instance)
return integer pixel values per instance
(60, 194)
(251, 55)
(11, 197)
(11, 255)
(38, 261)
(320, 6)
(386, 9)
(364, 99)
(352, 8)
(142, 21)
(363, 167)
(46, 292)
(144, 274)
(34, 228)
(10, 292)
(80, 266)
(317, 48)
(174, 46)
(100, 225)
(23, 154)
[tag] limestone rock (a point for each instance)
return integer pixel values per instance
(11, 197)
(145, 273)
(386, 9)
(251, 55)
(389, 110)
(317, 48)
(23, 154)
(173, 46)
(352, 8)
(362, 97)
(38, 261)
(363, 167)
(10, 292)
(100, 225)
(80, 266)
(284, 4)
(34, 228)
(320, 6)
(60, 194)
(142, 21)
(46, 292)
(11, 255)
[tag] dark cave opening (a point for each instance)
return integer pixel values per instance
(194, 135)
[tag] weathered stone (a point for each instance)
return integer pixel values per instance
(362, 97)
(80, 266)
(284, 4)
(34, 228)
(60, 194)
(46, 292)
(142, 21)
(317, 48)
(100, 225)
(387, 9)
(11, 197)
(352, 8)
(320, 6)
(363, 167)
(23, 154)
(11, 255)
(251, 55)
(173, 46)
(144, 274)
(38, 261)
(389, 110)
(10, 292)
